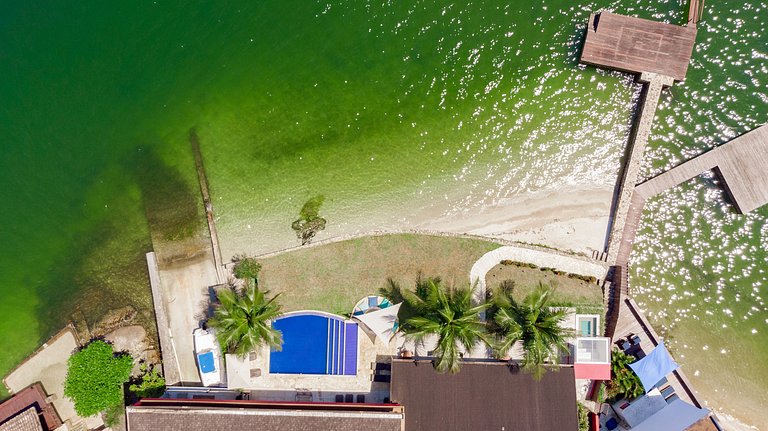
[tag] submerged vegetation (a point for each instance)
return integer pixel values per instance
(309, 222)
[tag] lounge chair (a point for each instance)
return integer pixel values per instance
(668, 392)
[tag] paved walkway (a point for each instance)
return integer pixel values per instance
(572, 264)
(49, 366)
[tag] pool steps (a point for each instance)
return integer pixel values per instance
(341, 354)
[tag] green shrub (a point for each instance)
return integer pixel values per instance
(150, 385)
(583, 417)
(624, 382)
(95, 378)
(246, 268)
(588, 278)
(113, 414)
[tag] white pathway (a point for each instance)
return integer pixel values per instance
(540, 258)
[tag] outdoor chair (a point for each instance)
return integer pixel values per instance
(635, 339)
(611, 424)
(360, 398)
(339, 398)
(348, 398)
(668, 392)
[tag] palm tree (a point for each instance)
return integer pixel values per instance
(534, 322)
(447, 313)
(623, 379)
(242, 319)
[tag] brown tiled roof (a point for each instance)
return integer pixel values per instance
(200, 418)
(483, 396)
(24, 421)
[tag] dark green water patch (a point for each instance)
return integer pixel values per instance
(171, 204)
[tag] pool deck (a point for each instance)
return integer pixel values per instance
(632, 322)
(252, 373)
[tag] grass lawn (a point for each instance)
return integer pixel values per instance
(586, 297)
(334, 277)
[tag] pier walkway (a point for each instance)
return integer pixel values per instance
(659, 53)
(631, 171)
(741, 164)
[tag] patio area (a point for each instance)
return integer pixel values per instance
(252, 374)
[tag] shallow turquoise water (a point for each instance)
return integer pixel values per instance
(386, 109)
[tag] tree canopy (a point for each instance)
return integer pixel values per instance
(535, 323)
(242, 319)
(95, 378)
(445, 312)
(246, 268)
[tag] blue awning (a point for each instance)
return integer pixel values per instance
(654, 367)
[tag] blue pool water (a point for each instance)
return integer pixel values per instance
(315, 344)
(206, 362)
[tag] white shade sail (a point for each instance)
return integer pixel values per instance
(381, 322)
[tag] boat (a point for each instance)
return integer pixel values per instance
(208, 355)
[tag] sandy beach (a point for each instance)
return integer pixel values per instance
(568, 219)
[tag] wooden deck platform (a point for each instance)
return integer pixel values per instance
(631, 321)
(741, 164)
(637, 45)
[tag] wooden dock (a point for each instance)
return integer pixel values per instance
(631, 321)
(637, 45)
(695, 12)
(741, 164)
(638, 141)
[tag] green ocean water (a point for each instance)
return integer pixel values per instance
(389, 110)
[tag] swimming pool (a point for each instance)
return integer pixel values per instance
(315, 343)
